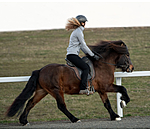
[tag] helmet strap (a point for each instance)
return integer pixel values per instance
(83, 25)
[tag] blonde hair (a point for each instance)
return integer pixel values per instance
(73, 23)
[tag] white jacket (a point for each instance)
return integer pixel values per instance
(77, 42)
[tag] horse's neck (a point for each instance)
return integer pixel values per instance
(106, 63)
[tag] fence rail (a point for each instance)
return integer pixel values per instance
(118, 75)
(14, 79)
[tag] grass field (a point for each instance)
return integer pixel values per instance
(23, 52)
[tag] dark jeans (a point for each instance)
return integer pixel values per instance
(78, 62)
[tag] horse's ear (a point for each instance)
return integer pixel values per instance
(122, 44)
(119, 47)
(119, 43)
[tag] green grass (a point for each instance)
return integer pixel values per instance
(23, 52)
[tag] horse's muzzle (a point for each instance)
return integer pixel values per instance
(130, 68)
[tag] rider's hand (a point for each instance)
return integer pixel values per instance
(96, 57)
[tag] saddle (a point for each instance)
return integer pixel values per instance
(78, 71)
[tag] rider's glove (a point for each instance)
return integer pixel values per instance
(96, 57)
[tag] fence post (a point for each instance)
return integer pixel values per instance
(119, 109)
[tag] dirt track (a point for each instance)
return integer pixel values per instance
(127, 122)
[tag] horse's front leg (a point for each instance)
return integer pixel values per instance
(116, 88)
(107, 105)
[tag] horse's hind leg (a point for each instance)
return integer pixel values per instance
(107, 105)
(39, 94)
(59, 96)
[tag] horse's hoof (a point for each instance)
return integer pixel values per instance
(28, 124)
(79, 121)
(123, 104)
(118, 119)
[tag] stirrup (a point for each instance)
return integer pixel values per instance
(86, 91)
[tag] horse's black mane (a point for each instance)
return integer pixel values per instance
(105, 46)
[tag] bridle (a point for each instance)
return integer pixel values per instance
(126, 66)
(127, 63)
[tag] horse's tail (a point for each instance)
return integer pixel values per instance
(24, 95)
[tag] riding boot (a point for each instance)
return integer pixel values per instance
(84, 84)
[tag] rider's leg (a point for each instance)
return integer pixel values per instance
(78, 62)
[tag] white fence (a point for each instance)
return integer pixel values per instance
(118, 75)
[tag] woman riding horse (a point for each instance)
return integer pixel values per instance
(57, 79)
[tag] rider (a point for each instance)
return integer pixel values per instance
(76, 43)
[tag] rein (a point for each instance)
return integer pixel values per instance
(103, 58)
(126, 66)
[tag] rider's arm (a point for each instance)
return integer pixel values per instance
(84, 47)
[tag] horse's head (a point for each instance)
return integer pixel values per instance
(116, 50)
(123, 60)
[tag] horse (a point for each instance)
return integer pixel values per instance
(59, 79)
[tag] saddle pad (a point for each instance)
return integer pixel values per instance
(78, 71)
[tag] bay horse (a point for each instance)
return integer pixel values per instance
(57, 79)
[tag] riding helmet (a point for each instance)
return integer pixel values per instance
(81, 18)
